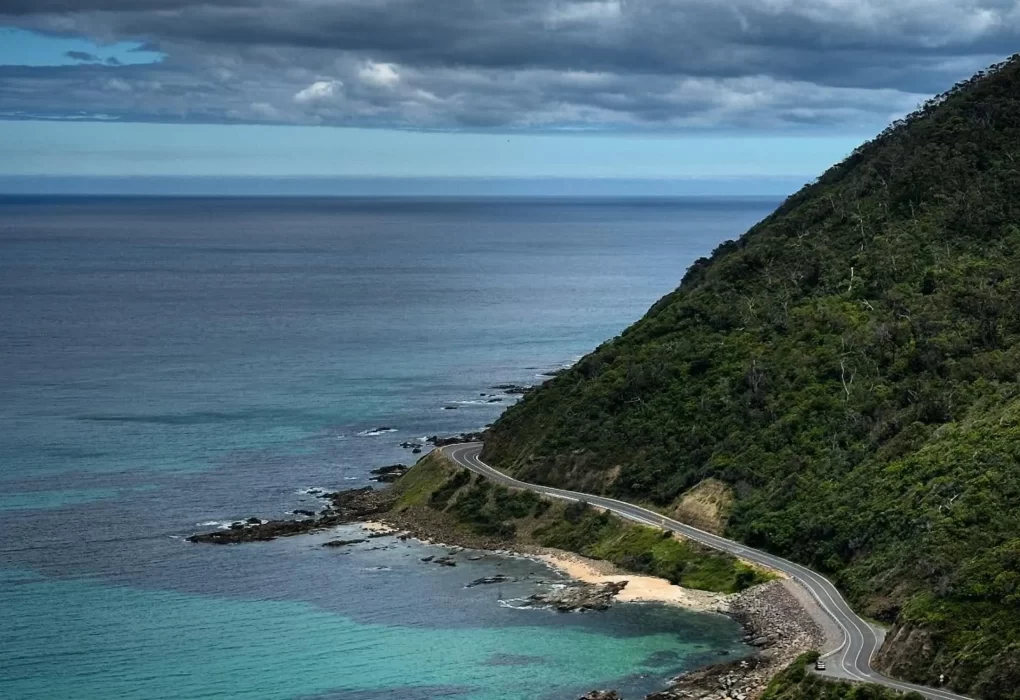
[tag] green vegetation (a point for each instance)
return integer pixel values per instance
(851, 369)
(645, 550)
(796, 683)
(488, 510)
(417, 486)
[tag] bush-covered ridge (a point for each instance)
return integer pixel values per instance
(851, 368)
(488, 510)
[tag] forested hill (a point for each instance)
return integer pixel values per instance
(847, 374)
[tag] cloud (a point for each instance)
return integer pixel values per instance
(83, 56)
(319, 91)
(379, 74)
(518, 64)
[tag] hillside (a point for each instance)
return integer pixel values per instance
(847, 374)
(457, 506)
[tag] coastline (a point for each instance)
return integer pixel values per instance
(638, 589)
(776, 623)
(778, 626)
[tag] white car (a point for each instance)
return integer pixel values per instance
(819, 665)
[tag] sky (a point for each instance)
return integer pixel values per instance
(752, 95)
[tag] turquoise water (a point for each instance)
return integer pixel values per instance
(173, 364)
(169, 645)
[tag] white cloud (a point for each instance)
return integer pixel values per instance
(379, 74)
(592, 11)
(118, 85)
(265, 110)
(319, 91)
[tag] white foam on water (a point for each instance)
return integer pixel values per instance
(377, 431)
(316, 491)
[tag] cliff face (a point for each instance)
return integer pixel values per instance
(850, 370)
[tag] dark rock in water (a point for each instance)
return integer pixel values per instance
(416, 451)
(488, 580)
(389, 474)
(445, 561)
(341, 543)
(376, 535)
(309, 513)
(345, 507)
(390, 469)
(455, 439)
(410, 445)
(494, 401)
(601, 695)
(429, 558)
(584, 596)
(554, 372)
(254, 521)
(450, 408)
(513, 388)
(356, 503)
(263, 532)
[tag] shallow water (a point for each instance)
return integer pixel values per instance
(168, 363)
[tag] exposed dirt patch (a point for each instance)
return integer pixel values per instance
(706, 506)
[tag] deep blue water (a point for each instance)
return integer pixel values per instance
(171, 362)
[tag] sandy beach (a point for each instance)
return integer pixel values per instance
(640, 589)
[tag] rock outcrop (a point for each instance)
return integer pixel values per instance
(344, 507)
(578, 596)
(387, 475)
(454, 439)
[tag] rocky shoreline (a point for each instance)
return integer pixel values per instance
(774, 621)
(344, 507)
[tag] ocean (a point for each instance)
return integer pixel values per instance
(168, 365)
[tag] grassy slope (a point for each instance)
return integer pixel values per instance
(475, 507)
(850, 368)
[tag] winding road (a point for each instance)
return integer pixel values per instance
(851, 660)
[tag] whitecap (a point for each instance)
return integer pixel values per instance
(316, 491)
(376, 431)
(516, 604)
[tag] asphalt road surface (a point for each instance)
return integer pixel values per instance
(851, 660)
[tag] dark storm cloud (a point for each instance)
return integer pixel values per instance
(36, 7)
(531, 63)
(83, 56)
